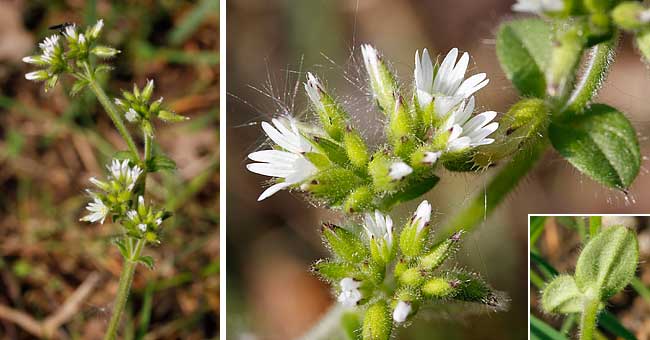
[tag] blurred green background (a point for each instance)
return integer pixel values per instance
(50, 144)
(270, 245)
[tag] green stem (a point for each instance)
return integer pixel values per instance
(500, 185)
(588, 319)
(126, 278)
(114, 114)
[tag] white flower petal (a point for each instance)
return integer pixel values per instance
(399, 170)
(401, 312)
(422, 215)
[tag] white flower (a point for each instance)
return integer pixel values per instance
(402, 311)
(538, 6)
(314, 89)
(431, 157)
(132, 215)
(123, 172)
(142, 227)
(466, 132)
(98, 211)
(379, 226)
(449, 86)
(37, 75)
(399, 170)
(644, 16)
(290, 165)
(131, 115)
(70, 31)
(350, 294)
(422, 216)
(371, 60)
(94, 32)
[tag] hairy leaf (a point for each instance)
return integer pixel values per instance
(601, 143)
(608, 262)
(523, 48)
(562, 296)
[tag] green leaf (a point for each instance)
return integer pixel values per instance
(539, 330)
(122, 247)
(160, 162)
(562, 296)
(147, 261)
(601, 143)
(608, 262)
(523, 48)
(536, 228)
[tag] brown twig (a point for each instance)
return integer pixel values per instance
(49, 327)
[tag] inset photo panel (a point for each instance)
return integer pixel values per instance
(589, 277)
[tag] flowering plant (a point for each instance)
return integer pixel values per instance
(120, 198)
(383, 275)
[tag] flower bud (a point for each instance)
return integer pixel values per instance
(37, 75)
(334, 184)
(440, 253)
(631, 16)
(169, 116)
(377, 323)
(104, 51)
(344, 244)
(359, 200)
(439, 288)
(333, 271)
(147, 91)
(416, 232)
(332, 117)
(382, 82)
(356, 149)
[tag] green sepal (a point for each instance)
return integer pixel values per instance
(333, 118)
(562, 296)
(344, 244)
(333, 151)
(438, 288)
(471, 287)
(412, 277)
(401, 266)
(359, 200)
(565, 55)
(377, 322)
(169, 116)
(460, 161)
(412, 242)
(356, 149)
(378, 168)
(601, 143)
(400, 129)
(439, 253)
(608, 262)
(525, 123)
(333, 271)
(334, 184)
(318, 159)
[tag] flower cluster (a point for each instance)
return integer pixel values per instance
(332, 161)
(393, 280)
(68, 54)
(115, 197)
(136, 108)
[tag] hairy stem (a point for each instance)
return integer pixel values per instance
(113, 113)
(588, 319)
(485, 201)
(126, 278)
